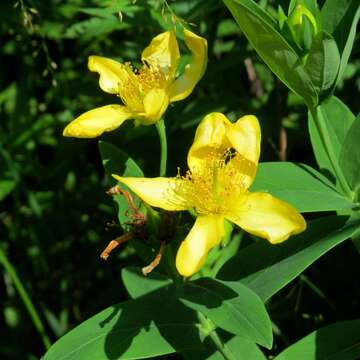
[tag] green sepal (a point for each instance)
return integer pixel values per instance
(322, 64)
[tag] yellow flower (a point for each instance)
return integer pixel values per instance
(222, 160)
(146, 93)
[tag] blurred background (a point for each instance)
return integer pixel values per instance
(55, 217)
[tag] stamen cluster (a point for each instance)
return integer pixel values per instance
(211, 187)
(137, 83)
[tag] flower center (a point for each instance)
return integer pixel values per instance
(137, 83)
(213, 185)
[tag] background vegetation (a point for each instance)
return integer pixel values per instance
(55, 217)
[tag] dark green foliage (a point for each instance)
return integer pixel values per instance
(56, 218)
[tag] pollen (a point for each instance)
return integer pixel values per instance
(211, 186)
(137, 83)
(151, 77)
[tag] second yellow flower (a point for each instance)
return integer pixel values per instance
(145, 93)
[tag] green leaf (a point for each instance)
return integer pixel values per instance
(310, 4)
(138, 285)
(338, 120)
(322, 63)
(114, 8)
(236, 345)
(340, 18)
(116, 161)
(300, 185)
(94, 27)
(152, 325)
(227, 252)
(350, 156)
(282, 17)
(339, 341)
(6, 187)
(231, 306)
(105, 13)
(282, 59)
(267, 268)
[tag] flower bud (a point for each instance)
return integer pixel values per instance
(300, 26)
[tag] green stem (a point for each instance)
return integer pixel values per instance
(210, 329)
(25, 298)
(160, 126)
(325, 138)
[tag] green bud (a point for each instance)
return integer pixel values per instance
(301, 25)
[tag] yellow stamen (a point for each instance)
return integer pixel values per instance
(151, 77)
(211, 187)
(137, 83)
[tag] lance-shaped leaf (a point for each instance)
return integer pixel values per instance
(231, 306)
(322, 63)
(339, 341)
(149, 326)
(340, 18)
(138, 285)
(235, 346)
(338, 119)
(350, 156)
(266, 268)
(300, 185)
(116, 161)
(272, 47)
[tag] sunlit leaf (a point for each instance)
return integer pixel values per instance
(322, 63)
(235, 345)
(231, 306)
(338, 119)
(350, 156)
(300, 185)
(340, 18)
(260, 29)
(267, 268)
(153, 325)
(339, 341)
(138, 285)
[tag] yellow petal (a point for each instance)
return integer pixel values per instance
(156, 102)
(163, 52)
(245, 137)
(184, 85)
(265, 216)
(158, 192)
(111, 72)
(94, 122)
(207, 232)
(244, 168)
(210, 137)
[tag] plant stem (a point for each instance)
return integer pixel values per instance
(160, 126)
(25, 298)
(325, 138)
(210, 329)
